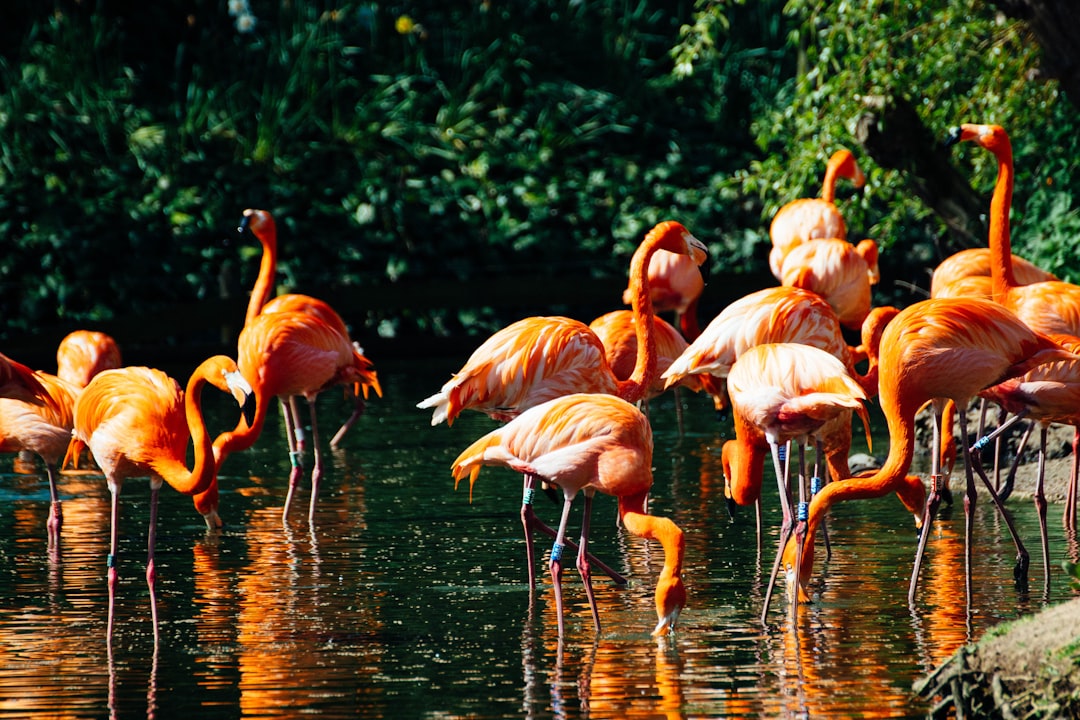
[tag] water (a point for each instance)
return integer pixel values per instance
(407, 600)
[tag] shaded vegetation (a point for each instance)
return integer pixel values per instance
(409, 143)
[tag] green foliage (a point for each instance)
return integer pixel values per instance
(475, 139)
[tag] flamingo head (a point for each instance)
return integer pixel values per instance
(670, 600)
(992, 137)
(673, 237)
(807, 567)
(260, 223)
(846, 167)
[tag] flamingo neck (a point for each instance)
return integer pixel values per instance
(670, 591)
(243, 436)
(202, 474)
(744, 465)
(1001, 269)
(828, 185)
(260, 293)
(634, 387)
(887, 479)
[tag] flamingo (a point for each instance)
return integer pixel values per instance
(283, 354)
(811, 218)
(1051, 307)
(136, 421)
(588, 442)
(932, 351)
(783, 392)
(837, 271)
(42, 427)
(82, 354)
(537, 359)
(675, 284)
(262, 226)
(772, 315)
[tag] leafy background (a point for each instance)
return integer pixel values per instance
(511, 148)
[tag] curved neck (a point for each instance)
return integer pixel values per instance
(670, 591)
(634, 387)
(828, 185)
(202, 474)
(260, 293)
(1001, 269)
(243, 436)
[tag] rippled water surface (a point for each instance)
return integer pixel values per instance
(405, 599)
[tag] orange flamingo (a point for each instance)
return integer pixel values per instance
(773, 315)
(813, 218)
(262, 226)
(18, 381)
(837, 271)
(675, 285)
(82, 354)
(1050, 306)
(975, 263)
(283, 354)
(540, 358)
(783, 392)
(42, 427)
(588, 442)
(136, 422)
(932, 351)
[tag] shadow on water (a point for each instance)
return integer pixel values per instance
(407, 600)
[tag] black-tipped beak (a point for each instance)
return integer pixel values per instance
(248, 409)
(953, 137)
(245, 222)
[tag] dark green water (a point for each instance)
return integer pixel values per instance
(406, 600)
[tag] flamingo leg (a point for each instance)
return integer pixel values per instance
(970, 497)
(1068, 518)
(151, 569)
(800, 531)
(933, 499)
(583, 561)
(1040, 507)
(785, 528)
(110, 562)
(56, 517)
(819, 480)
(358, 410)
(556, 559)
(296, 454)
(1022, 559)
(529, 521)
(317, 464)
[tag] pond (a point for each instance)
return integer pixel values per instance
(405, 599)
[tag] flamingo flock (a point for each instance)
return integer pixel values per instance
(571, 396)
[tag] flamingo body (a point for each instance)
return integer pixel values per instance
(812, 218)
(590, 442)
